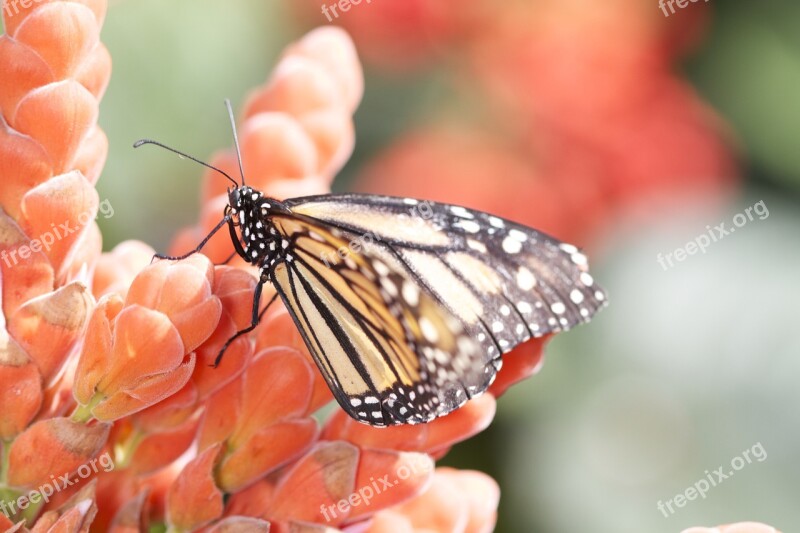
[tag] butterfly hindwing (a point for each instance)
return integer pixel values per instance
(390, 352)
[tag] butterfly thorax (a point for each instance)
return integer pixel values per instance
(251, 211)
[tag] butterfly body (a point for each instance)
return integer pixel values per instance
(258, 242)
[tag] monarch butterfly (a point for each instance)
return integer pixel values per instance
(406, 306)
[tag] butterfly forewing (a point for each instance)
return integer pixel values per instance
(390, 352)
(506, 282)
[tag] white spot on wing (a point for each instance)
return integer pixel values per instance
(389, 286)
(380, 268)
(476, 245)
(518, 235)
(470, 226)
(461, 212)
(525, 279)
(496, 222)
(511, 246)
(579, 259)
(569, 248)
(599, 295)
(576, 296)
(410, 293)
(428, 330)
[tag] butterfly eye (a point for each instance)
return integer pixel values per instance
(233, 197)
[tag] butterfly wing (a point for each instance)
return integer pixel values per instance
(505, 280)
(387, 359)
(452, 288)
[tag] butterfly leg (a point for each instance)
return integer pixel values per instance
(222, 222)
(255, 320)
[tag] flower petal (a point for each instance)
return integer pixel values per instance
(61, 33)
(240, 524)
(147, 392)
(268, 449)
(269, 395)
(519, 364)
(22, 70)
(23, 163)
(194, 500)
(47, 327)
(59, 116)
(56, 446)
(157, 450)
(20, 386)
(332, 48)
(95, 359)
(408, 474)
(24, 276)
(116, 270)
(136, 356)
(57, 213)
(323, 477)
(131, 518)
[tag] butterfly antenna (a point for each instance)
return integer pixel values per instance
(235, 138)
(140, 142)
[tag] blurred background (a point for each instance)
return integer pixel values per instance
(617, 125)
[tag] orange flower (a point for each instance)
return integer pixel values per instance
(57, 446)
(55, 70)
(116, 270)
(122, 371)
(296, 134)
(194, 500)
(76, 514)
(455, 501)
(336, 483)
(464, 159)
(575, 157)
(261, 418)
(399, 35)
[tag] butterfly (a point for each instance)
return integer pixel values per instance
(406, 306)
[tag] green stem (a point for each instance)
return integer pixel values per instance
(123, 451)
(4, 461)
(83, 413)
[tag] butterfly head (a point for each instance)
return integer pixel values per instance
(246, 205)
(251, 212)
